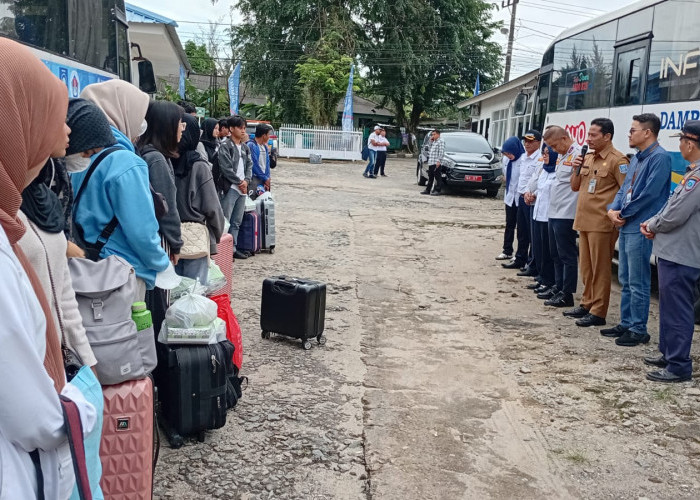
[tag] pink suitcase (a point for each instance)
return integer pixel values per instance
(126, 449)
(224, 259)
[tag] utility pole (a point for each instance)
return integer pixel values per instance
(511, 34)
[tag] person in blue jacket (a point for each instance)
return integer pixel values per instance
(260, 156)
(119, 186)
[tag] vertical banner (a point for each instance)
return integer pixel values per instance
(233, 84)
(477, 87)
(347, 121)
(181, 85)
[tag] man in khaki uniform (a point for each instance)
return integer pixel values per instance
(597, 178)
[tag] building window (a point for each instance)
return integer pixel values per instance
(499, 119)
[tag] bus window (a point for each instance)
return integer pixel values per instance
(41, 23)
(635, 24)
(628, 77)
(583, 69)
(674, 60)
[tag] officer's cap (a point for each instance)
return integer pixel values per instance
(532, 135)
(690, 130)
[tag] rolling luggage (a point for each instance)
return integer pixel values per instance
(224, 259)
(265, 207)
(249, 233)
(127, 452)
(192, 388)
(293, 307)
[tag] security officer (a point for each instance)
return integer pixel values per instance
(597, 179)
(676, 232)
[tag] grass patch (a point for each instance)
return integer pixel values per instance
(664, 394)
(576, 457)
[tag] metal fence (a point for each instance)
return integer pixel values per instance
(332, 143)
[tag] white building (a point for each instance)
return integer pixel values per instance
(493, 112)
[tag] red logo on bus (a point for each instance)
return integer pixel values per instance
(577, 132)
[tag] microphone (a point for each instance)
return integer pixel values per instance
(584, 150)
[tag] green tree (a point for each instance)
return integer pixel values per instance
(202, 62)
(425, 54)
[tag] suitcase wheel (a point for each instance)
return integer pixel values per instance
(265, 335)
(201, 436)
(272, 249)
(306, 345)
(321, 339)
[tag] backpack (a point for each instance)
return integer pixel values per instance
(105, 291)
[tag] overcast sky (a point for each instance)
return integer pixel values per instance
(538, 21)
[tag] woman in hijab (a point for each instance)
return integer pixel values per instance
(513, 150)
(208, 142)
(31, 366)
(197, 200)
(120, 187)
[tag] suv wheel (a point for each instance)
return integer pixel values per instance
(492, 192)
(422, 181)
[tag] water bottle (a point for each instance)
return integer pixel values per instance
(141, 316)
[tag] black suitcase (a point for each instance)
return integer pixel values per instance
(293, 307)
(192, 389)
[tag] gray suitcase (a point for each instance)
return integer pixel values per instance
(266, 214)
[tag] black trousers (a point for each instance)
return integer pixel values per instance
(381, 161)
(562, 247)
(509, 233)
(524, 232)
(434, 175)
(540, 248)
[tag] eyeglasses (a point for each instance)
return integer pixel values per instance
(183, 126)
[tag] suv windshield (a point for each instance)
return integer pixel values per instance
(466, 144)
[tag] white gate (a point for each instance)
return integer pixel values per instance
(332, 143)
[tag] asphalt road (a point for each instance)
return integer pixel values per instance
(442, 377)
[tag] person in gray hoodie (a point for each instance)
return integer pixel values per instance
(197, 200)
(236, 167)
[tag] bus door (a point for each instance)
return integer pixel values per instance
(629, 83)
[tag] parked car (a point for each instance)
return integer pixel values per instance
(470, 162)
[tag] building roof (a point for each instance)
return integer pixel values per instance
(135, 14)
(513, 84)
(362, 106)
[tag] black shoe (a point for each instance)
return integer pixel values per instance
(659, 361)
(512, 265)
(543, 288)
(435, 193)
(372, 176)
(384, 175)
(528, 272)
(631, 339)
(240, 255)
(576, 312)
(590, 320)
(548, 294)
(615, 331)
(425, 192)
(534, 286)
(365, 174)
(561, 300)
(668, 377)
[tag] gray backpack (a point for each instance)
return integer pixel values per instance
(105, 292)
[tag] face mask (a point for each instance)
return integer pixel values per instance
(144, 127)
(76, 163)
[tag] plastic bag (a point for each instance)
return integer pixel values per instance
(217, 280)
(187, 286)
(249, 204)
(212, 333)
(191, 311)
(233, 329)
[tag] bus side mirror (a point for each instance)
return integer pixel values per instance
(147, 79)
(520, 104)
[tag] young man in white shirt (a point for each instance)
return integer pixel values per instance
(372, 145)
(381, 153)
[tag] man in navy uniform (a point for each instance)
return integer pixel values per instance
(676, 232)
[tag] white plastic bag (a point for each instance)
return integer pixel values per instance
(191, 311)
(249, 204)
(210, 334)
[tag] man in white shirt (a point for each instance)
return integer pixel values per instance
(237, 169)
(381, 153)
(532, 159)
(372, 144)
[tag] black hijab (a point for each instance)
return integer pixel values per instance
(208, 138)
(187, 147)
(41, 205)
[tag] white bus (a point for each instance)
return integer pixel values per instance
(80, 41)
(644, 58)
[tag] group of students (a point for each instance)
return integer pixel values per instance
(556, 193)
(110, 173)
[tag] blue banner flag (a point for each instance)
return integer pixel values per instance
(347, 108)
(233, 84)
(477, 87)
(181, 85)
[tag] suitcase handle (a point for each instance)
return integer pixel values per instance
(284, 287)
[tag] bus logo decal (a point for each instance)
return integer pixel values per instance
(74, 84)
(683, 64)
(577, 132)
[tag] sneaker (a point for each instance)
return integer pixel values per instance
(614, 332)
(364, 174)
(632, 339)
(502, 255)
(435, 193)
(425, 192)
(668, 377)
(384, 175)
(372, 176)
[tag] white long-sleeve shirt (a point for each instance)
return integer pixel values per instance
(542, 192)
(511, 195)
(528, 166)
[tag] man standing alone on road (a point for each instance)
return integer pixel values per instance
(597, 178)
(642, 195)
(676, 232)
(530, 163)
(435, 157)
(372, 145)
(562, 211)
